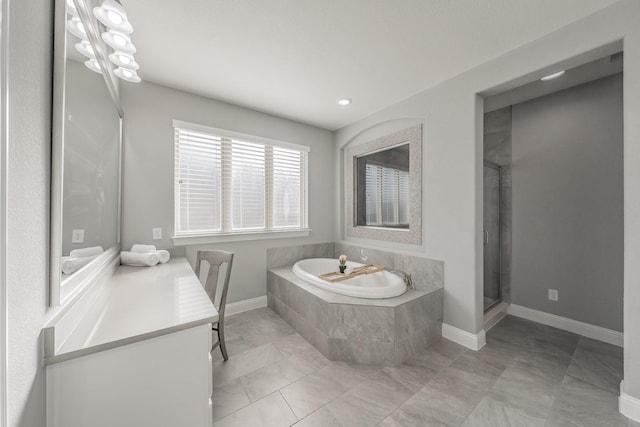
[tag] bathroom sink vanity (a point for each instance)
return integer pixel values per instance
(133, 351)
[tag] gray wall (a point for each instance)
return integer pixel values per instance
(148, 156)
(29, 127)
(452, 163)
(568, 203)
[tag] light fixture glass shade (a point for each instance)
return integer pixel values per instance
(119, 41)
(75, 27)
(85, 48)
(93, 65)
(71, 8)
(124, 60)
(128, 75)
(112, 14)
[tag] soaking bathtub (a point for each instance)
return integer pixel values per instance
(382, 284)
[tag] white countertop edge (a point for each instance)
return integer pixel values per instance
(63, 357)
(86, 317)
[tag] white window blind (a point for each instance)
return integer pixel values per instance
(225, 183)
(387, 196)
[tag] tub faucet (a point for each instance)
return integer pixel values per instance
(406, 277)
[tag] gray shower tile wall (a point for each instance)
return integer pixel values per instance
(505, 233)
(497, 136)
(288, 255)
(497, 149)
(427, 274)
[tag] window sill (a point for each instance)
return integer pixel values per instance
(238, 237)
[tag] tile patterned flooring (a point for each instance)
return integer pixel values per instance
(527, 375)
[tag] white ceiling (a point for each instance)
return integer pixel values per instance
(296, 58)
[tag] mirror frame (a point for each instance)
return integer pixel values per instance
(411, 236)
(75, 284)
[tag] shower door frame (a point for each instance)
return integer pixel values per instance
(498, 168)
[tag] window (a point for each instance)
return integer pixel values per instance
(227, 183)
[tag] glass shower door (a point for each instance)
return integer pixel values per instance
(491, 235)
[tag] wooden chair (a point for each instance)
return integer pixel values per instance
(215, 260)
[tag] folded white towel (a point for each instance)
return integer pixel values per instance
(163, 256)
(84, 252)
(72, 264)
(139, 259)
(143, 248)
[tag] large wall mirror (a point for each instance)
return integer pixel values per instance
(85, 197)
(383, 193)
(382, 185)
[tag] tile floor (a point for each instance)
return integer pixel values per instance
(527, 375)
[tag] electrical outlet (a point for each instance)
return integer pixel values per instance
(157, 233)
(77, 236)
(553, 294)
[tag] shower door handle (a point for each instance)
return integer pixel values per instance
(485, 237)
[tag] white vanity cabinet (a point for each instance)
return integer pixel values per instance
(138, 355)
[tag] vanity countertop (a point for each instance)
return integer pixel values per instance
(133, 304)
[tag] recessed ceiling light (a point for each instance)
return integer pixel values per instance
(552, 76)
(344, 102)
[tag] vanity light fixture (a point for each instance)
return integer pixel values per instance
(93, 65)
(75, 27)
(112, 15)
(552, 76)
(123, 60)
(84, 47)
(71, 8)
(344, 102)
(119, 41)
(128, 75)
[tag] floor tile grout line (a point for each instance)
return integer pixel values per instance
(269, 364)
(591, 384)
(289, 406)
(251, 403)
(262, 367)
(289, 383)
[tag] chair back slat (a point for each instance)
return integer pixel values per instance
(215, 259)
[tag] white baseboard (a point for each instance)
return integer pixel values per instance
(464, 338)
(566, 324)
(245, 305)
(628, 406)
(496, 314)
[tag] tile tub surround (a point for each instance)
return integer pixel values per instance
(370, 331)
(426, 273)
(288, 255)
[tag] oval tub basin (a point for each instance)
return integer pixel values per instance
(382, 284)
